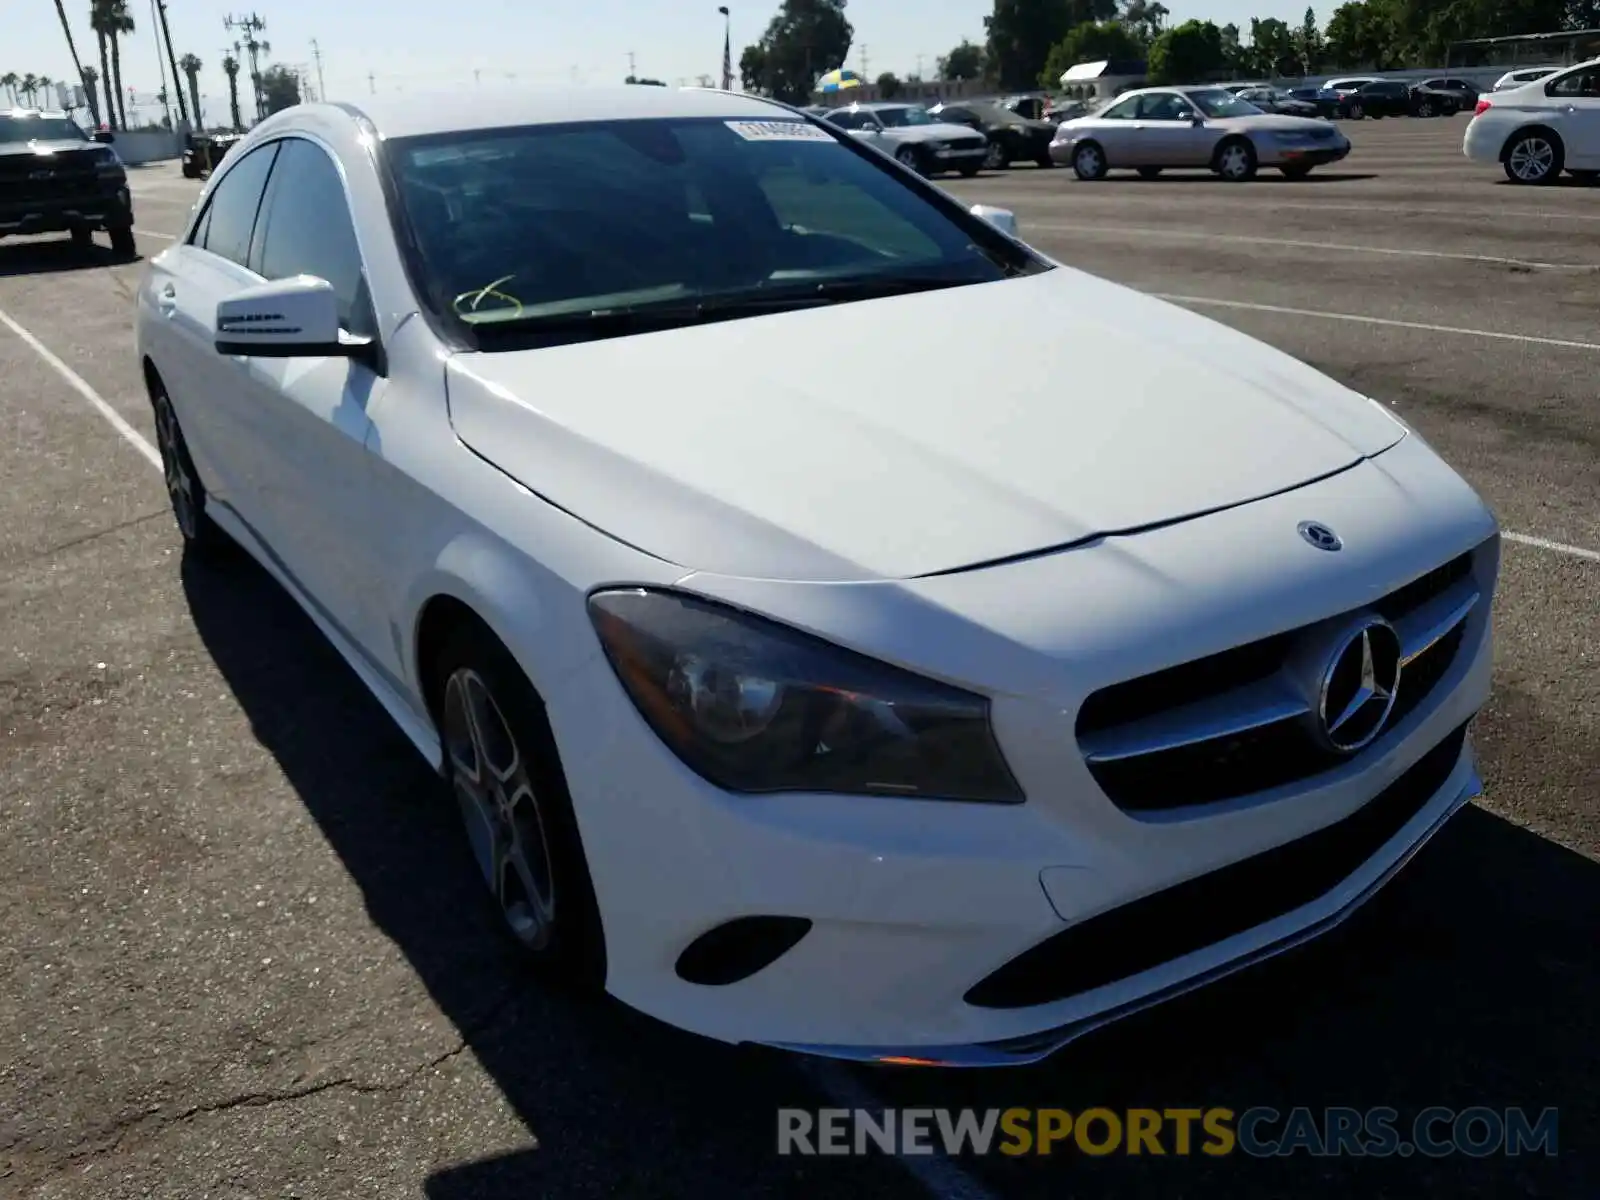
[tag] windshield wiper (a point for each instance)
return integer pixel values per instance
(783, 296)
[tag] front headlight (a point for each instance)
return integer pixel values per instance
(755, 706)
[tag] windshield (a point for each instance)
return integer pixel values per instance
(40, 129)
(1216, 103)
(910, 115)
(564, 222)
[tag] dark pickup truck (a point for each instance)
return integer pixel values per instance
(55, 179)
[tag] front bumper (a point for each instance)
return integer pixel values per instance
(951, 158)
(110, 207)
(913, 903)
(1302, 156)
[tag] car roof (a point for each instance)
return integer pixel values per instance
(876, 105)
(416, 114)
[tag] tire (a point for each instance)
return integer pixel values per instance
(908, 157)
(1533, 156)
(968, 172)
(190, 171)
(123, 242)
(202, 537)
(1426, 109)
(503, 770)
(995, 159)
(1295, 172)
(1149, 172)
(1045, 161)
(1089, 162)
(1235, 160)
(82, 238)
(1355, 112)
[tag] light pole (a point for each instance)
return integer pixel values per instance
(727, 48)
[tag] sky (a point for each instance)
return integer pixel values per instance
(418, 45)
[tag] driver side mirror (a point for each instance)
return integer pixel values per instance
(1196, 120)
(104, 136)
(1002, 219)
(286, 318)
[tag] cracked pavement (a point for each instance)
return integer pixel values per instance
(244, 953)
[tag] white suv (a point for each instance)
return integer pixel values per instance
(1537, 130)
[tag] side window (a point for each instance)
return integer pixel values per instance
(959, 115)
(1123, 111)
(1579, 83)
(848, 120)
(1162, 106)
(231, 212)
(306, 230)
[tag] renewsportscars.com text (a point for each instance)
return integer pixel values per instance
(1259, 1132)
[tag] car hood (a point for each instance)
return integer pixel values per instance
(938, 131)
(1271, 123)
(857, 441)
(53, 147)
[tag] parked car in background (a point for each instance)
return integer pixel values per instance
(1065, 110)
(1032, 105)
(1153, 129)
(1394, 98)
(55, 178)
(1542, 128)
(1465, 91)
(203, 151)
(1276, 100)
(1012, 137)
(916, 139)
(1515, 79)
(1329, 96)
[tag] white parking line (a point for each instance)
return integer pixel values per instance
(1296, 243)
(1362, 319)
(1233, 204)
(936, 1172)
(165, 237)
(76, 382)
(138, 442)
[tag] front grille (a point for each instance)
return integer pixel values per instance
(63, 185)
(1219, 905)
(1248, 756)
(967, 143)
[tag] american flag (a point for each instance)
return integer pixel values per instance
(727, 63)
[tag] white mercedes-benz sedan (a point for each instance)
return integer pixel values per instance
(800, 681)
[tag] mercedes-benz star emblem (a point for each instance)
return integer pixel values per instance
(1320, 536)
(1359, 687)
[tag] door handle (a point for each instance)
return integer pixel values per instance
(167, 297)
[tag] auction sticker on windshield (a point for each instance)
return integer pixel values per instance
(778, 131)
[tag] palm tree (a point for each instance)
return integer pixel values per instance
(45, 84)
(100, 21)
(230, 66)
(90, 78)
(190, 65)
(121, 23)
(29, 85)
(72, 46)
(9, 81)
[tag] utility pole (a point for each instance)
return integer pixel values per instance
(316, 55)
(253, 46)
(172, 61)
(632, 74)
(477, 77)
(372, 83)
(919, 68)
(864, 73)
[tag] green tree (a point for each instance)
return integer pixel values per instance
(889, 85)
(1271, 48)
(29, 87)
(1187, 53)
(1357, 36)
(803, 41)
(1095, 41)
(1235, 55)
(230, 68)
(1021, 34)
(964, 62)
(280, 89)
(1145, 19)
(9, 81)
(103, 20)
(1308, 47)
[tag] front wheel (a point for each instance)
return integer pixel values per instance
(1089, 162)
(515, 807)
(995, 159)
(1236, 160)
(1533, 157)
(1355, 112)
(1425, 109)
(185, 493)
(123, 243)
(908, 157)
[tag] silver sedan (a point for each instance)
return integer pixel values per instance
(1152, 129)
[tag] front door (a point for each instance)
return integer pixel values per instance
(1577, 99)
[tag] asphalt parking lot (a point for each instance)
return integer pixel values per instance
(243, 953)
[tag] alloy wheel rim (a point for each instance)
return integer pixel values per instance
(1233, 162)
(499, 807)
(992, 160)
(180, 486)
(1088, 160)
(1531, 158)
